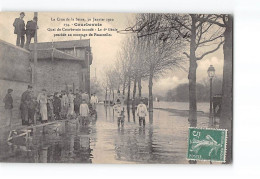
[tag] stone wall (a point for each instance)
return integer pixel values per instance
(55, 75)
(19, 88)
(15, 73)
(14, 63)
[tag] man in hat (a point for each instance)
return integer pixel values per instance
(19, 29)
(56, 106)
(77, 102)
(8, 100)
(26, 99)
(85, 96)
(64, 104)
(31, 27)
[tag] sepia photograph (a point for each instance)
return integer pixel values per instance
(116, 88)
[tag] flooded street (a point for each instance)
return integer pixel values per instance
(163, 140)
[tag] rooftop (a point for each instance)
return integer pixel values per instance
(57, 54)
(62, 44)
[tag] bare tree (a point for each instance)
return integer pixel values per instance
(226, 118)
(159, 51)
(198, 34)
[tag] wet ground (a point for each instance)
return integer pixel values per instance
(162, 140)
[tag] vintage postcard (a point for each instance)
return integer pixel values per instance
(116, 88)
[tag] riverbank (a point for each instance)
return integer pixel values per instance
(178, 112)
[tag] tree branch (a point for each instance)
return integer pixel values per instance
(210, 21)
(186, 54)
(211, 51)
(209, 40)
(176, 19)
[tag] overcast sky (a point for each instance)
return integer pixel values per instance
(105, 48)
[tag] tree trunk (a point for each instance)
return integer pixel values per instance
(151, 90)
(109, 96)
(128, 92)
(106, 96)
(134, 93)
(192, 76)
(139, 87)
(113, 95)
(124, 86)
(226, 116)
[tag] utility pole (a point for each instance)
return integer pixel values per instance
(88, 73)
(34, 69)
(34, 79)
(52, 63)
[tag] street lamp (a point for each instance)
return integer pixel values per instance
(211, 74)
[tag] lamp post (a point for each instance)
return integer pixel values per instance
(211, 74)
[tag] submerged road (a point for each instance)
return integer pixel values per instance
(164, 140)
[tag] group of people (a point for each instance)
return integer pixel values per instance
(21, 31)
(51, 107)
(141, 113)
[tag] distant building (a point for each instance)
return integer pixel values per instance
(63, 65)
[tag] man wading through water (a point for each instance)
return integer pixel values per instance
(120, 113)
(141, 113)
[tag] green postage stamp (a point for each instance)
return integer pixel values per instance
(207, 144)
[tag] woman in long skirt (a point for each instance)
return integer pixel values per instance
(64, 105)
(71, 104)
(42, 100)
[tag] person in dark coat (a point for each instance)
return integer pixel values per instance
(8, 100)
(32, 105)
(56, 106)
(26, 99)
(77, 102)
(19, 29)
(31, 27)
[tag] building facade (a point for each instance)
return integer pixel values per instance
(65, 65)
(62, 65)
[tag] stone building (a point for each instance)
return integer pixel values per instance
(15, 73)
(65, 65)
(62, 65)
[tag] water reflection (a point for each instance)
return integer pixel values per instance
(128, 113)
(150, 117)
(45, 146)
(133, 111)
(162, 140)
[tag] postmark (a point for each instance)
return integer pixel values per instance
(207, 144)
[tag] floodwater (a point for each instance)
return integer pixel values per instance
(162, 140)
(201, 106)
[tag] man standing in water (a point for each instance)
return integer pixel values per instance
(142, 112)
(119, 109)
(93, 101)
(19, 29)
